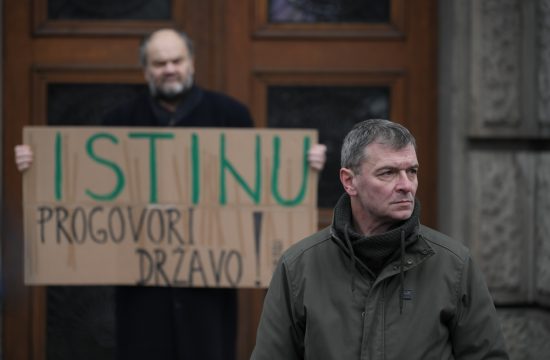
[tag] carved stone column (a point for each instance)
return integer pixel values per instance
(495, 155)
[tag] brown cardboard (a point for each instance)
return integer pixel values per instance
(164, 207)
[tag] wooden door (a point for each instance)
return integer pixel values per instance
(302, 63)
(305, 64)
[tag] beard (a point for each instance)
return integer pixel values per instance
(172, 92)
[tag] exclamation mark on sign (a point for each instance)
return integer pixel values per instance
(257, 233)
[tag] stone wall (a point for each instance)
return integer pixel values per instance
(1, 200)
(495, 155)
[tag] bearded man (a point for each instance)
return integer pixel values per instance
(164, 322)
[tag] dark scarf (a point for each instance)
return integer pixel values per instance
(375, 251)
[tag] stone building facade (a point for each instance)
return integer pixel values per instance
(494, 163)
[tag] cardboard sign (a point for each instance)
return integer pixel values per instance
(165, 206)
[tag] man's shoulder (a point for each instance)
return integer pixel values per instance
(444, 242)
(217, 109)
(220, 98)
(308, 244)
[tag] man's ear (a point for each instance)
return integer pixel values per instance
(346, 178)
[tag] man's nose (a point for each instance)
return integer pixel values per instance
(169, 67)
(404, 182)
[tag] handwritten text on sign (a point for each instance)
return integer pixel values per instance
(165, 207)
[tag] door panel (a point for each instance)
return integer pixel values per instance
(305, 58)
(281, 58)
(326, 19)
(332, 102)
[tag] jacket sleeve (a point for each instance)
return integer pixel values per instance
(281, 331)
(476, 333)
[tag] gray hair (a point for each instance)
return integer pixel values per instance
(368, 131)
(145, 42)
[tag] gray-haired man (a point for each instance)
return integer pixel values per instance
(377, 284)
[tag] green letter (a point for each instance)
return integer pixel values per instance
(275, 174)
(58, 167)
(195, 160)
(120, 176)
(224, 164)
(152, 159)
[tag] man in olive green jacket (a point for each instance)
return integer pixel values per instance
(377, 284)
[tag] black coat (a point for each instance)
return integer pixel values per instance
(201, 108)
(178, 323)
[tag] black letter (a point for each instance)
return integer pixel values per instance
(101, 232)
(76, 211)
(160, 258)
(217, 268)
(117, 210)
(150, 226)
(195, 258)
(175, 280)
(136, 232)
(191, 222)
(60, 229)
(41, 210)
(237, 280)
(171, 223)
(144, 255)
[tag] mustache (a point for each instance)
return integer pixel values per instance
(172, 76)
